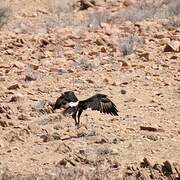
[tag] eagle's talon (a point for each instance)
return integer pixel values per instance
(77, 126)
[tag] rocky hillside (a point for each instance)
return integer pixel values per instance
(127, 49)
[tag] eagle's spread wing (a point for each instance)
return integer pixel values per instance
(100, 102)
(65, 99)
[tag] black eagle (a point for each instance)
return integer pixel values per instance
(73, 106)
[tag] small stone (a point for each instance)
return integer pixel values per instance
(123, 91)
(14, 86)
(128, 2)
(34, 66)
(115, 151)
(159, 36)
(69, 43)
(61, 71)
(130, 100)
(56, 136)
(145, 55)
(70, 71)
(8, 116)
(129, 173)
(170, 167)
(12, 136)
(3, 109)
(115, 165)
(93, 52)
(57, 127)
(90, 81)
(124, 63)
(101, 141)
(147, 162)
(45, 138)
(82, 151)
(13, 99)
(173, 46)
(23, 117)
(54, 69)
(69, 54)
(63, 162)
(43, 42)
(106, 81)
(99, 42)
(35, 129)
(115, 141)
(2, 78)
(18, 65)
(63, 148)
(125, 83)
(158, 167)
(40, 105)
(148, 128)
(3, 123)
(30, 73)
(85, 4)
(30, 77)
(114, 84)
(9, 51)
(103, 50)
(16, 98)
(152, 137)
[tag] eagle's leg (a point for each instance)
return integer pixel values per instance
(79, 114)
(74, 117)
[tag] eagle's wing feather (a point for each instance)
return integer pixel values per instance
(100, 102)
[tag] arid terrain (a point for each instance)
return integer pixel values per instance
(127, 49)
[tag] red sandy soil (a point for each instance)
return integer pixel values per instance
(44, 53)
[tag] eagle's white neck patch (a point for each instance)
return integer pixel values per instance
(73, 104)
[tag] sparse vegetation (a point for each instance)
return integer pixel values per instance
(85, 65)
(60, 174)
(171, 22)
(173, 7)
(143, 11)
(4, 15)
(128, 45)
(47, 49)
(96, 18)
(138, 13)
(105, 170)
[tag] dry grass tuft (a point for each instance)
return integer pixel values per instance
(129, 44)
(4, 16)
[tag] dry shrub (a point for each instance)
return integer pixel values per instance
(173, 7)
(129, 44)
(142, 11)
(4, 15)
(96, 18)
(61, 174)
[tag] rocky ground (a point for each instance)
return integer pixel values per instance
(126, 49)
